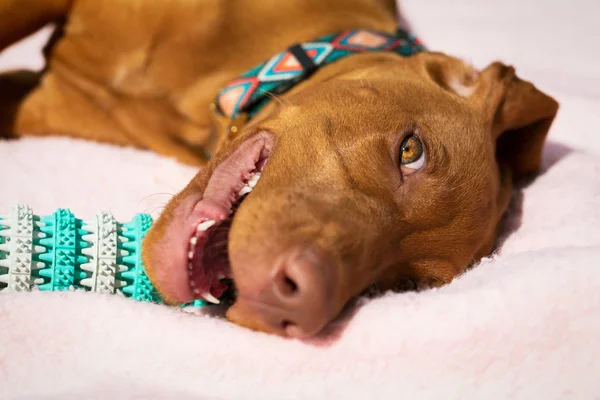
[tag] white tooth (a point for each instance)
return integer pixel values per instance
(196, 291)
(221, 276)
(190, 255)
(190, 267)
(192, 283)
(210, 298)
(245, 190)
(193, 240)
(254, 180)
(204, 226)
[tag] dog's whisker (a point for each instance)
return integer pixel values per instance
(153, 210)
(157, 206)
(159, 194)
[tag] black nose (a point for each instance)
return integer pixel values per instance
(299, 298)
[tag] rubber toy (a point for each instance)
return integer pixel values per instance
(62, 252)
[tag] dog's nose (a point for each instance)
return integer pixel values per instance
(299, 297)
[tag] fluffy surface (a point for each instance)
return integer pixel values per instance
(523, 324)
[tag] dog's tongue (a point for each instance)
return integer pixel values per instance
(210, 264)
(205, 281)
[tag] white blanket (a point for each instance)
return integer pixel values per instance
(524, 324)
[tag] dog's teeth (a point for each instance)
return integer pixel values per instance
(190, 267)
(204, 226)
(190, 255)
(192, 283)
(249, 185)
(245, 190)
(193, 240)
(254, 180)
(207, 296)
(210, 298)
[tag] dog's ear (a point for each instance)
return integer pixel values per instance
(517, 113)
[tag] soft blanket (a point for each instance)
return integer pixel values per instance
(523, 324)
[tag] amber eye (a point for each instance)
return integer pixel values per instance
(412, 153)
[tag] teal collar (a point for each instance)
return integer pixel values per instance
(250, 92)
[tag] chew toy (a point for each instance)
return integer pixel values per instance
(62, 252)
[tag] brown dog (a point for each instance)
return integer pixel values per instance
(377, 170)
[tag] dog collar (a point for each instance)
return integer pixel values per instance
(246, 95)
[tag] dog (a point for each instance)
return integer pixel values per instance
(376, 170)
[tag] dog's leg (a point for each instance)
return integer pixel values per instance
(66, 103)
(35, 106)
(81, 109)
(20, 18)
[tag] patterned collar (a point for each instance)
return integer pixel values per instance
(246, 95)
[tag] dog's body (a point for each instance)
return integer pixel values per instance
(137, 73)
(376, 170)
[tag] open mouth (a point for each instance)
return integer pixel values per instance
(208, 266)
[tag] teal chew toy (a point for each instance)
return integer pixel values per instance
(62, 252)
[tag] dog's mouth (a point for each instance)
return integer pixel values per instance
(208, 260)
(207, 235)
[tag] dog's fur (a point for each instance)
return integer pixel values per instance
(143, 73)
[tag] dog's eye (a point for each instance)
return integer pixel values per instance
(412, 153)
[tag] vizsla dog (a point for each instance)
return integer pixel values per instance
(367, 162)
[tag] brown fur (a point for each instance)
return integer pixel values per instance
(143, 73)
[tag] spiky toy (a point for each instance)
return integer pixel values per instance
(62, 252)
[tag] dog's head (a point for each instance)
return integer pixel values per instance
(379, 170)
